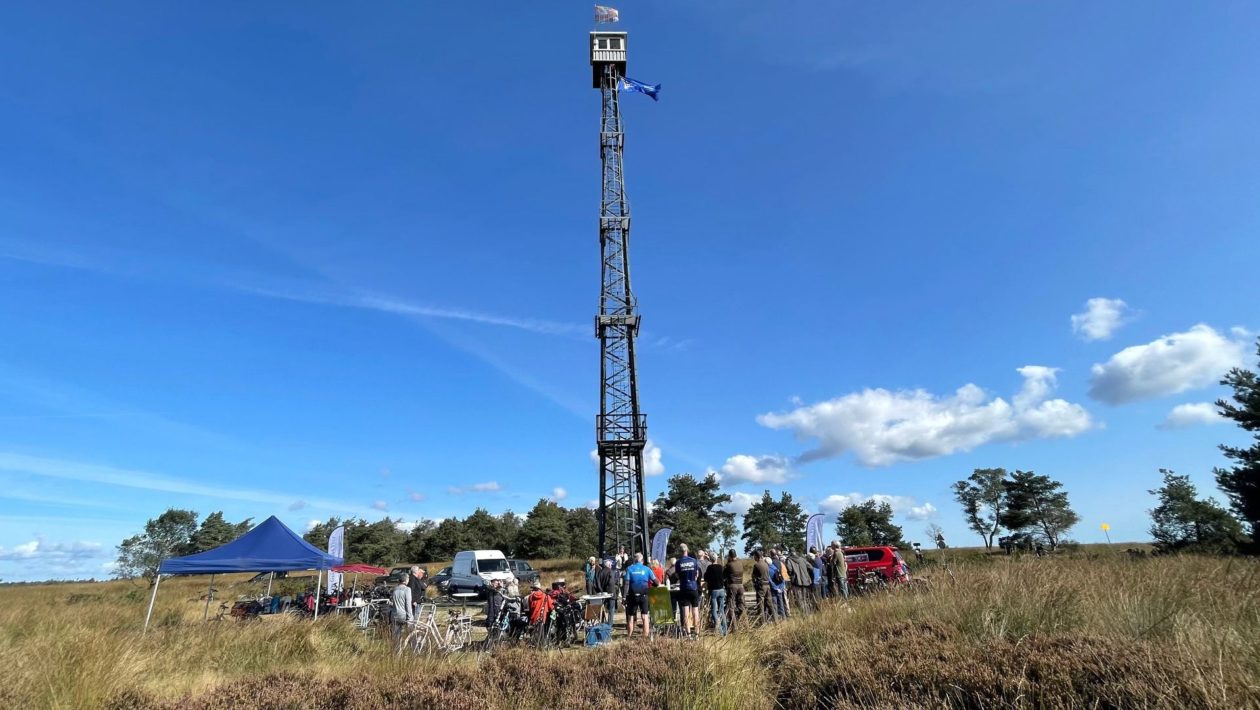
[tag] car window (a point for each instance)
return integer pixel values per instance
(526, 568)
(864, 556)
(446, 571)
(493, 565)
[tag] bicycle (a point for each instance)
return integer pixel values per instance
(426, 637)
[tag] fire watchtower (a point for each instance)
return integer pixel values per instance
(620, 427)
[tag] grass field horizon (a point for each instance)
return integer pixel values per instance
(1091, 628)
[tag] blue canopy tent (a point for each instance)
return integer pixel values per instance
(270, 547)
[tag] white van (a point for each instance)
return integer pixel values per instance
(474, 570)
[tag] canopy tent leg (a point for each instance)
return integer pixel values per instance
(152, 599)
(319, 580)
(270, 579)
(209, 596)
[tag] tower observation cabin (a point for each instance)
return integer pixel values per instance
(607, 48)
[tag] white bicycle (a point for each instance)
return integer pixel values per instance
(425, 636)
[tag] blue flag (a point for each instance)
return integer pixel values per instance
(628, 84)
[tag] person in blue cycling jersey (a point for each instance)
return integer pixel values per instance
(687, 568)
(638, 579)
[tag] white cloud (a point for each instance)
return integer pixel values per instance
(882, 427)
(592, 505)
(903, 506)
(415, 497)
(743, 468)
(63, 560)
(40, 549)
(310, 524)
(406, 526)
(558, 494)
(740, 502)
(652, 465)
(487, 487)
(920, 512)
(380, 505)
(1188, 415)
(1168, 365)
(1102, 317)
(298, 505)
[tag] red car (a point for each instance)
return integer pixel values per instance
(882, 560)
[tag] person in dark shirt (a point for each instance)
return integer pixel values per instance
(687, 570)
(419, 585)
(733, 574)
(715, 587)
(761, 586)
(607, 582)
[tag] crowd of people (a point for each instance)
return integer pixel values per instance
(780, 581)
(783, 583)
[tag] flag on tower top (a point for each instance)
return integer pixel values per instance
(606, 14)
(628, 84)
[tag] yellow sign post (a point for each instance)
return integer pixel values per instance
(1107, 531)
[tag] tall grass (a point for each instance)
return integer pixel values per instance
(1098, 630)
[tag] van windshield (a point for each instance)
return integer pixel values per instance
(492, 565)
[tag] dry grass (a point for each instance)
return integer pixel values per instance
(1095, 631)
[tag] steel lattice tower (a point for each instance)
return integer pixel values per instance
(620, 428)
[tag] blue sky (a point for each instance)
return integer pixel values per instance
(327, 260)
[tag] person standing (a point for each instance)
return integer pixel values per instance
(687, 570)
(715, 587)
(401, 610)
(820, 574)
(589, 570)
(538, 607)
(606, 583)
(622, 559)
(733, 578)
(638, 580)
(778, 585)
(761, 587)
(419, 585)
(838, 571)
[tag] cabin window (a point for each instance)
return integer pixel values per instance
(614, 43)
(601, 43)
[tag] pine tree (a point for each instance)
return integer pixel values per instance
(167, 535)
(1039, 504)
(693, 509)
(216, 531)
(869, 523)
(1183, 523)
(982, 496)
(545, 533)
(774, 523)
(1241, 484)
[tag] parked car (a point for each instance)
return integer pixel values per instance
(474, 570)
(441, 581)
(394, 575)
(524, 573)
(883, 560)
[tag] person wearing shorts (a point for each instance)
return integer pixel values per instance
(638, 580)
(687, 568)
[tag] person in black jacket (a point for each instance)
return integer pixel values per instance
(419, 583)
(607, 582)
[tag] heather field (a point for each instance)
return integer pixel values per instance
(1092, 630)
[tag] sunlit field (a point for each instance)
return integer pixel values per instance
(1095, 629)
